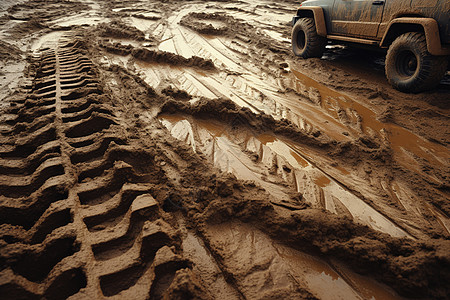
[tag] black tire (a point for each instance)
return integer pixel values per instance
(305, 40)
(409, 66)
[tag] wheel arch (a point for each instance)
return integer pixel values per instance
(428, 26)
(315, 12)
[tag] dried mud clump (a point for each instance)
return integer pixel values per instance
(119, 29)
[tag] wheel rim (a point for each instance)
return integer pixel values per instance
(406, 63)
(301, 39)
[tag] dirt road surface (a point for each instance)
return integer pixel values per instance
(178, 150)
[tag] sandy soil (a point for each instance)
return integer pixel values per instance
(178, 150)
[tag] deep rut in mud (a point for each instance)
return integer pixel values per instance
(76, 194)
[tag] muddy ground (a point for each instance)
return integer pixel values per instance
(178, 150)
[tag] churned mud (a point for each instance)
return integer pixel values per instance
(178, 150)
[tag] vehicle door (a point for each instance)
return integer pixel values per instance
(359, 18)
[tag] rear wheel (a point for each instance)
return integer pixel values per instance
(305, 40)
(409, 65)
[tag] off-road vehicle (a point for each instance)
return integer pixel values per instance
(415, 32)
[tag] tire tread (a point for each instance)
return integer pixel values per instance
(315, 44)
(431, 69)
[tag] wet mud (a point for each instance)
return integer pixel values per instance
(178, 150)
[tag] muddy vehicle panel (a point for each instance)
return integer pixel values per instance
(416, 34)
(438, 10)
(356, 18)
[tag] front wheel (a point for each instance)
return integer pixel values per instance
(305, 40)
(409, 65)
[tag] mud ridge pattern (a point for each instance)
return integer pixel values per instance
(77, 211)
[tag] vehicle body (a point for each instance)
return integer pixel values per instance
(416, 32)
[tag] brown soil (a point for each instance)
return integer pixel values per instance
(120, 30)
(178, 150)
(9, 52)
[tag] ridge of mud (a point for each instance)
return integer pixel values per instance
(176, 93)
(118, 29)
(9, 52)
(32, 25)
(157, 56)
(233, 28)
(116, 48)
(146, 17)
(173, 59)
(412, 268)
(191, 21)
(227, 111)
(127, 75)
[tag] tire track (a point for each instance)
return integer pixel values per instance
(35, 197)
(76, 204)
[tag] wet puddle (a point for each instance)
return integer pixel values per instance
(329, 112)
(143, 24)
(160, 75)
(320, 189)
(317, 187)
(242, 83)
(195, 250)
(49, 40)
(333, 113)
(10, 74)
(440, 217)
(212, 140)
(406, 145)
(279, 267)
(80, 20)
(172, 39)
